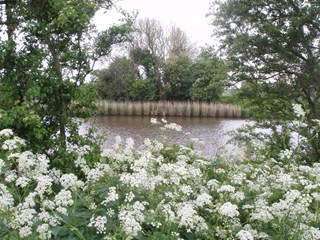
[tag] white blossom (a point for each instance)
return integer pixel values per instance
(244, 235)
(111, 197)
(68, 180)
(99, 223)
(229, 210)
(6, 133)
(298, 110)
(44, 231)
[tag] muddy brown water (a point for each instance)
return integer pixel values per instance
(212, 132)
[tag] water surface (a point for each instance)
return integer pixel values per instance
(211, 131)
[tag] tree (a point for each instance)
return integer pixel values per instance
(210, 74)
(158, 46)
(179, 74)
(273, 46)
(114, 82)
(45, 60)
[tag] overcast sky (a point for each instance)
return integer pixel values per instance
(189, 15)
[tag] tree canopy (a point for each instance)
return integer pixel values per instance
(48, 52)
(163, 64)
(273, 48)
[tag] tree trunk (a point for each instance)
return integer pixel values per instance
(10, 21)
(62, 103)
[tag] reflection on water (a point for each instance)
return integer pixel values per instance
(212, 131)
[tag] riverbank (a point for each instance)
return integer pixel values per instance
(168, 108)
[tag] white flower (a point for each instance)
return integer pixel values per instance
(310, 233)
(212, 184)
(226, 188)
(12, 144)
(94, 174)
(63, 198)
(22, 182)
(47, 218)
(6, 133)
(129, 197)
(131, 217)
(186, 189)
(99, 223)
(298, 110)
(68, 181)
(244, 235)
(25, 231)
(24, 217)
(285, 154)
(203, 199)
(189, 218)
(10, 176)
(44, 231)
(229, 210)
(112, 196)
(44, 184)
(48, 204)
(6, 199)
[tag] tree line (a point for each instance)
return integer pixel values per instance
(162, 64)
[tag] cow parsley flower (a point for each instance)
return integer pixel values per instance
(244, 235)
(285, 154)
(6, 133)
(6, 199)
(94, 174)
(63, 198)
(226, 188)
(22, 182)
(229, 210)
(12, 144)
(129, 197)
(99, 222)
(298, 110)
(111, 197)
(213, 184)
(44, 231)
(44, 184)
(25, 231)
(203, 199)
(68, 180)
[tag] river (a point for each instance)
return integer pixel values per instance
(210, 132)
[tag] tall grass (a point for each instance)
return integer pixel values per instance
(167, 108)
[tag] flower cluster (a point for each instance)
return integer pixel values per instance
(156, 191)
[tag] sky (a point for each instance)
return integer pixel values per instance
(188, 15)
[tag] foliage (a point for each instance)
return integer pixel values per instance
(182, 77)
(179, 74)
(143, 90)
(45, 60)
(272, 46)
(115, 81)
(211, 74)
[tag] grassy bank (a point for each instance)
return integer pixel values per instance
(166, 108)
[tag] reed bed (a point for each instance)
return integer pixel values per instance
(167, 108)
